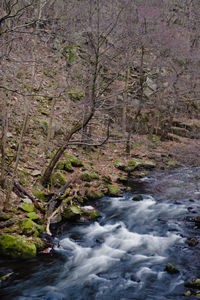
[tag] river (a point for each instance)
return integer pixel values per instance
(123, 255)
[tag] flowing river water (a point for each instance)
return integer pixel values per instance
(123, 255)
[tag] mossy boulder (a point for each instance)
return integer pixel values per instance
(65, 165)
(173, 163)
(107, 179)
(192, 242)
(58, 179)
(40, 195)
(5, 217)
(61, 165)
(120, 165)
(137, 198)
(171, 269)
(193, 284)
(93, 194)
(87, 176)
(32, 216)
(76, 162)
(71, 212)
(136, 164)
(27, 207)
(112, 191)
(146, 164)
(39, 243)
(188, 293)
(17, 247)
(89, 213)
(132, 164)
(30, 228)
(68, 167)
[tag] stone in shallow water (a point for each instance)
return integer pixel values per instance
(192, 242)
(193, 284)
(137, 198)
(171, 269)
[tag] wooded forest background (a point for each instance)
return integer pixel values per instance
(82, 72)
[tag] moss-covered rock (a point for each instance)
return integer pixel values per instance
(112, 191)
(71, 212)
(39, 243)
(61, 165)
(76, 162)
(58, 179)
(188, 293)
(87, 176)
(5, 217)
(132, 164)
(137, 198)
(40, 195)
(65, 165)
(171, 269)
(136, 164)
(120, 165)
(146, 164)
(30, 228)
(9, 230)
(68, 167)
(192, 242)
(173, 163)
(17, 247)
(89, 213)
(193, 284)
(32, 216)
(107, 179)
(93, 194)
(27, 207)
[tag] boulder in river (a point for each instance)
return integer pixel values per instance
(192, 242)
(171, 269)
(137, 198)
(193, 284)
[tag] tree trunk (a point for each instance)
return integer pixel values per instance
(47, 174)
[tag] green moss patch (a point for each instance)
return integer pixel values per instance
(40, 195)
(87, 176)
(58, 179)
(93, 195)
(17, 247)
(120, 165)
(76, 162)
(71, 211)
(27, 207)
(32, 216)
(5, 217)
(30, 228)
(137, 198)
(171, 269)
(112, 191)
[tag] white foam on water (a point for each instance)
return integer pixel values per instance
(147, 250)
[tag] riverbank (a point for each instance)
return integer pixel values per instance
(81, 176)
